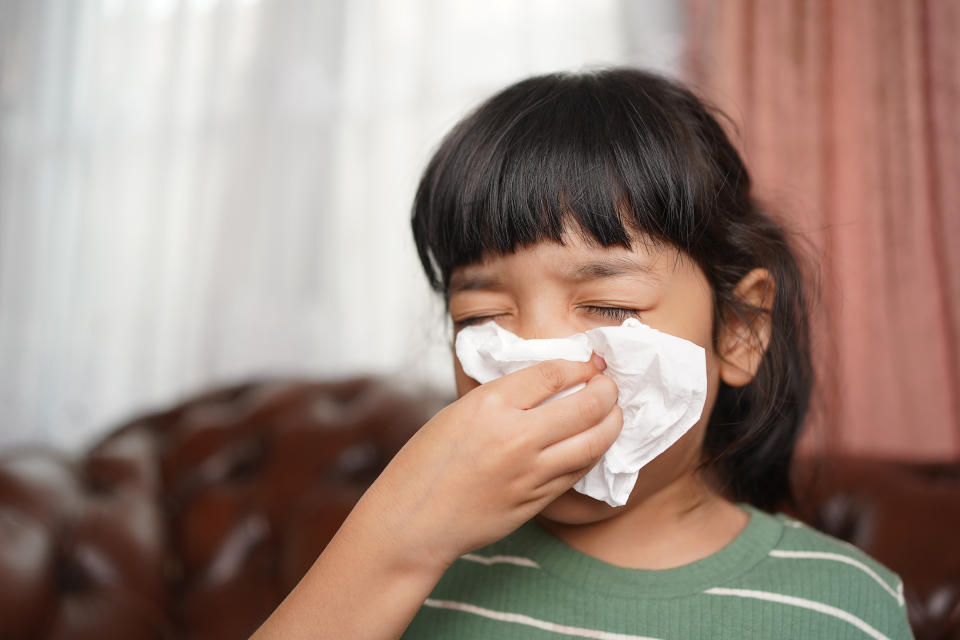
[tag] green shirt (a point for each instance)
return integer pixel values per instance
(777, 579)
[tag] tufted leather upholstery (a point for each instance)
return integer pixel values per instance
(191, 523)
(194, 522)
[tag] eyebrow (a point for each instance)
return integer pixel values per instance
(593, 270)
(611, 267)
(460, 283)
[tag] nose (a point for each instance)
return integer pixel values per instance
(537, 324)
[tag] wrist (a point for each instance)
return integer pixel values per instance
(406, 540)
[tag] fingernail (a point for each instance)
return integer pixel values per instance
(598, 362)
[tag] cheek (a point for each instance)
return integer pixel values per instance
(464, 382)
(689, 315)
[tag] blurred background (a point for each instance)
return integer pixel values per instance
(214, 331)
(197, 192)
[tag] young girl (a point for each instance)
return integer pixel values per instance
(562, 204)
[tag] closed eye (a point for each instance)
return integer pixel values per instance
(612, 313)
(466, 322)
(618, 314)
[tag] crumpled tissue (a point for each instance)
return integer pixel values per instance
(662, 383)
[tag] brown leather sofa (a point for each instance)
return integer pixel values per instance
(194, 522)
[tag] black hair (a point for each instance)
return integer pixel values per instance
(618, 151)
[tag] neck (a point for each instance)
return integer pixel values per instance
(681, 523)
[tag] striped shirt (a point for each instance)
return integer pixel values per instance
(776, 579)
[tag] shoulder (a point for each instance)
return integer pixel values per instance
(816, 554)
(830, 579)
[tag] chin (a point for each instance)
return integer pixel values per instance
(573, 507)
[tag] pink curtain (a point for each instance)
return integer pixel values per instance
(848, 114)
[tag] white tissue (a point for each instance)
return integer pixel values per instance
(662, 383)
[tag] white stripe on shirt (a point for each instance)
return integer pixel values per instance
(518, 618)
(803, 603)
(837, 557)
(488, 560)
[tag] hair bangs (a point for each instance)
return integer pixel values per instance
(538, 161)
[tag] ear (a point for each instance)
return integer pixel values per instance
(744, 340)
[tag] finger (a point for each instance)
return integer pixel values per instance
(529, 387)
(576, 412)
(583, 449)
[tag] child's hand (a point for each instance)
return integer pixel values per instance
(493, 459)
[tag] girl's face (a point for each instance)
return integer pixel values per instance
(550, 290)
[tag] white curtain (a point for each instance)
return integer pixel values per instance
(197, 192)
